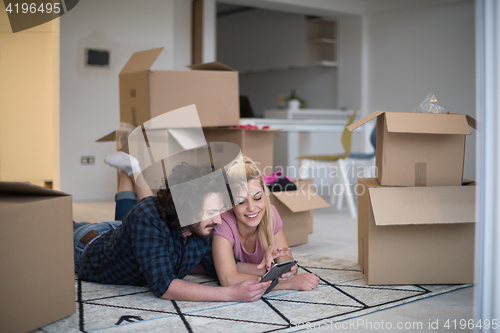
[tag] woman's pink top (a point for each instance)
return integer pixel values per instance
(228, 230)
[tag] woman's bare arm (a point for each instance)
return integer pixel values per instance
(249, 268)
(225, 265)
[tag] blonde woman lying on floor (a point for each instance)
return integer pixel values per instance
(252, 233)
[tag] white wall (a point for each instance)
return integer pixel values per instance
(89, 96)
(257, 40)
(409, 53)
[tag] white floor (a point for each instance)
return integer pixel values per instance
(335, 235)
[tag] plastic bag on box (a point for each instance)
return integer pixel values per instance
(430, 105)
(122, 133)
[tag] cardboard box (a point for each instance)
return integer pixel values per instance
(256, 144)
(306, 183)
(145, 93)
(295, 209)
(36, 245)
(416, 235)
(419, 149)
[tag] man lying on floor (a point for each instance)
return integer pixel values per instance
(147, 245)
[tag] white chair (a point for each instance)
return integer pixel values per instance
(336, 160)
(367, 160)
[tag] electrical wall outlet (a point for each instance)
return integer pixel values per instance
(87, 160)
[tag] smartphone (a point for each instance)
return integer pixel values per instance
(276, 271)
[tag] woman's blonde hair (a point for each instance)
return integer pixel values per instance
(266, 226)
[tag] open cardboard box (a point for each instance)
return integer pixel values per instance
(295, 209)
(159, 139)
(145, 93)
(419, 149)
(306, 183)
(36, 242)
(416, 235)
(256, 144)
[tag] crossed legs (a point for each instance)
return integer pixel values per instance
(127, 183)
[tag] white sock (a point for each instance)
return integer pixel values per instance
(123, 161)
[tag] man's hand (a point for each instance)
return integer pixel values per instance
(288, 276)
(249, 290)
(273, 251)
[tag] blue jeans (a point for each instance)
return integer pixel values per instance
(124, 203)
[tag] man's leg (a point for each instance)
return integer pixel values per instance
(128, 194)
(77, 225)
(81, 233)
(127, 183)
(140, 191)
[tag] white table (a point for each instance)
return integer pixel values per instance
(308, 114)
(303, 137)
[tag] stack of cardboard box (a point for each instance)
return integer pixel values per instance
(416, 219)
(213, 88)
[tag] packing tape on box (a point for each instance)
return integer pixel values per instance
(420, 174)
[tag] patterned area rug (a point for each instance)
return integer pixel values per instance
(342, 294)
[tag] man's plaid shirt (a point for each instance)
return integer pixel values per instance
(144, 250)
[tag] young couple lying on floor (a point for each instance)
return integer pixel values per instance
(147, 245)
